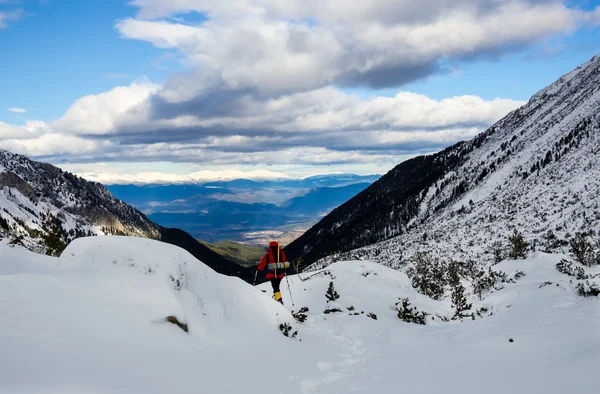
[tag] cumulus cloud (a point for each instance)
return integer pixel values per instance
(18, 110)
(280, 47)
(97, 114)
(267, 84)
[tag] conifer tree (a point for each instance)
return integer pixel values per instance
(518, 245)
(53, 235)
(332, 294)
(459, 301)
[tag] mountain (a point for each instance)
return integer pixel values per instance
(536, 171)
(243, 210)
(29, 190)
(44, 208)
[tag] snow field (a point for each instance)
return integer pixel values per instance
(92, 321)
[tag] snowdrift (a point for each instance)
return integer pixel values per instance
(102, 306)
(93, 321)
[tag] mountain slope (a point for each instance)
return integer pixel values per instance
(29, 190)
(536, 170)
(32, 192)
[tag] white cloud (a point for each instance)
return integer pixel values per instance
(9, 16)
(254, 44)
(18, 110)
(266, 85)
(199, 176)
(97, 114)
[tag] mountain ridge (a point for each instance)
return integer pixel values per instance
(550, 141)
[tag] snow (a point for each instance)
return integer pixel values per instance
(92, 321)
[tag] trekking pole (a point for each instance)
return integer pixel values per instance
(290, 290)
(255, 275)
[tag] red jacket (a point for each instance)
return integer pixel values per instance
(271, 257)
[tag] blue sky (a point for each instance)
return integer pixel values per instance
(181, 62)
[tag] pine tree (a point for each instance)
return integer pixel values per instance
(518, 245)
(410, 314)
(459, 301)
(53, 237)
(453, 275)
(331, 294)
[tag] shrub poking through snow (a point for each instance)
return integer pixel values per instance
(332, 310)
(286, 329)
(519, 275)
(332, 294)
(459, 302)
(350, 308)
(517, 246)
(173, 319)
(410, 314)
(372, 316)
(588, 289)
(301, 315)
(484, 282)
(569, 268)
(498, 251)
(584, 251)
(428, 275)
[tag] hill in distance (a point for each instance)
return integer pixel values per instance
(244, 255)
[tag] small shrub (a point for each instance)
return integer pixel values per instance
(332, 310)
(487, 281)
(547, 283)
(583, 250)
(372, 316)
(428, 275)
(410, 314)
(301, 315)
(519, 275)
(568, 268)
(286, 328)
(350, 308)
(588, 289)
(332, 294)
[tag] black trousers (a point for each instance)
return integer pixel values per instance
(275, 282)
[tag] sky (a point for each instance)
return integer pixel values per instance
(186, 90)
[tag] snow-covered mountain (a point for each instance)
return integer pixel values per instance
(44, 208)
(94, 320)
(31, 190)
(537, 171)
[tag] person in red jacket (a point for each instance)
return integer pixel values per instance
(275, 263)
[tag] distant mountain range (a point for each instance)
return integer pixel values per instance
(244, 210)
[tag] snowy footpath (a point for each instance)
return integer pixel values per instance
(94, 321)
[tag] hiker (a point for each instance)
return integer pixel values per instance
(275, 263)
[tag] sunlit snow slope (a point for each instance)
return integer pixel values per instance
(93, 321)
